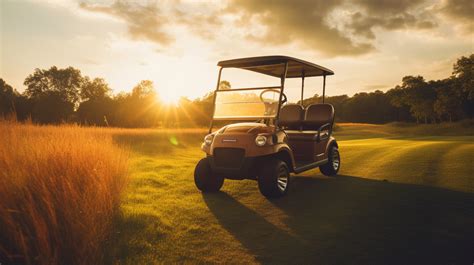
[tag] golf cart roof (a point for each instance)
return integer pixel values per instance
(273, 65)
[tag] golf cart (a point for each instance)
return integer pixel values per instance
(267, 138)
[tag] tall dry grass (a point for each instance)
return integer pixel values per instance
(59, 190)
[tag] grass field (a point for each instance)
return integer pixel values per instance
(405, 196)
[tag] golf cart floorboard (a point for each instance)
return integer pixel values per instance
(307, 165)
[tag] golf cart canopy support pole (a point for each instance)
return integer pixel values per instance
(283, 77)
(214, 99)
(324, 86)
(302, 87)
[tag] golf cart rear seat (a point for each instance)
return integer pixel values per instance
(316, 125)
(306, 135)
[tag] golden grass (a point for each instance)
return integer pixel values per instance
(59, 189)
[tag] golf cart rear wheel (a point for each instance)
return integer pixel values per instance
(274, 179)
(334, 162)
(204, 179)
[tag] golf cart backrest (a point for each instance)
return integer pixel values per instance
(291, 116)
(317, 115)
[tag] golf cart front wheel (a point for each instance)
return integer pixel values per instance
(204, 178)
(334, 162)
(274, 179)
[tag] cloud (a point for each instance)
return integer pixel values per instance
(332, 28)
(388, 15)
(459, 11)
(364, 25)
(302, 22)
(308, 22)
(199, 23)
(152, 20)
(387, 7)
(145, 21)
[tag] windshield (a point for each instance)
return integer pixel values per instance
(256, 103)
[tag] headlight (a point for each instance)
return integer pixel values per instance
(261, 140)
(208, 139)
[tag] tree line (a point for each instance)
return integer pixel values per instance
(54, 96)
(414, 100)
(57, 95)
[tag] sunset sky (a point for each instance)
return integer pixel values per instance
(369, 44)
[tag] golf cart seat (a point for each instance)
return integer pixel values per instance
(316, 127)
(319, 117)
(317, 123)
(291, 116)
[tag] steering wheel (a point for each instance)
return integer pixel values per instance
(271, 107)
(284, 99)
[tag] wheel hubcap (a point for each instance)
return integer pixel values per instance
(282, 179)
(335, 160)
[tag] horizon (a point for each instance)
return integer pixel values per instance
(368, 45)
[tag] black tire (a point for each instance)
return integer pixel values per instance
(270, 179)
(204, 179)
(334, 162)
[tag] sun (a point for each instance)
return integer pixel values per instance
(169, 98)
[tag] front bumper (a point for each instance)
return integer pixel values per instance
(246, 169)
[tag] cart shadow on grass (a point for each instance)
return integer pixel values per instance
(351, 220)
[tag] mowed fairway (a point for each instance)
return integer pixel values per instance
(402, 197)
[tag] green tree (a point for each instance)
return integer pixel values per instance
(144, 89)
(463, 72)
(53, 93)
(420, 97)
(203, 107)
(463, 75)
(224, 85)
(7, 98)
(97, 107)
(140, 108)
(396, 97)
(94, 89)
(447, 104)
(97, 112)
(50, 107)
(66, 83)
